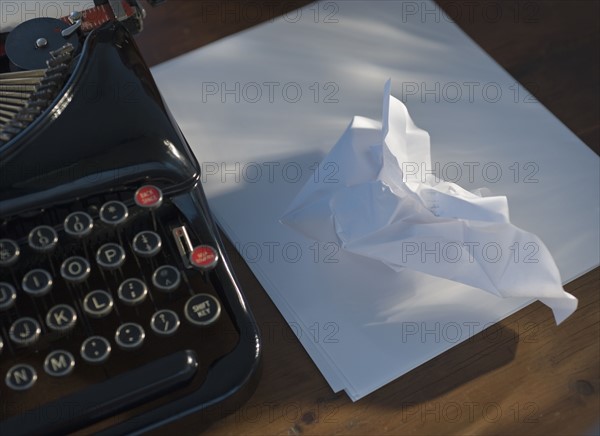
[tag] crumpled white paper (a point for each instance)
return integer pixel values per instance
(383, 203)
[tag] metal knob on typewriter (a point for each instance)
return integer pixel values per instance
(29, 45)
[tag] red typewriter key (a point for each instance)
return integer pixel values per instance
(149, 197)
(204, 257)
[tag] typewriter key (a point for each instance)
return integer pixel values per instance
(61, 318)
(8, 295)
(165, 322)
(78, 224)
(166, 278)
(133, 292)
(25, 331)
(149, 197)
(9, 252)
(147, 244)
(75, 269)
(204, 257)
(95, 349)
(110, 256)
(20, 377)
(98, 304)
(114, 213)
(202, 309)
(43, 239)
(37, 282)
(59, 363)
(130, 336)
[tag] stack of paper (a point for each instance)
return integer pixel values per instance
(262, 108)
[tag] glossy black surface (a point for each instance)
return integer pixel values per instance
(109, 127)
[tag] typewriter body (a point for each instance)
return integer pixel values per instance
(119, 311)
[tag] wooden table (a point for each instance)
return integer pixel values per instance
(521, 376)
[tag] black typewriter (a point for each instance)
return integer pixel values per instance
(119, 311)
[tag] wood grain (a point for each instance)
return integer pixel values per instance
(522, 376)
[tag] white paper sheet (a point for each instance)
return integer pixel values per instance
(362, 323)
(385, 206)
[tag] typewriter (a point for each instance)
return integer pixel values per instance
(119, 310)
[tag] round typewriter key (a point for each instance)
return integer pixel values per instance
(202, 309)
(20, 377)
(110, 256)
(149, 197)
(98, 304)
(37, 282)
(78, 224)
(95, 349)
(166, 278)
(59, 363)
(147, 244)
(9, 252)
(61, 318)
(8, 295)
(130, 336)
(204, 257)
(133, 292)
(75, 269)
(43, 239)
(165, 322)
(25, 331)
(114, 213)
